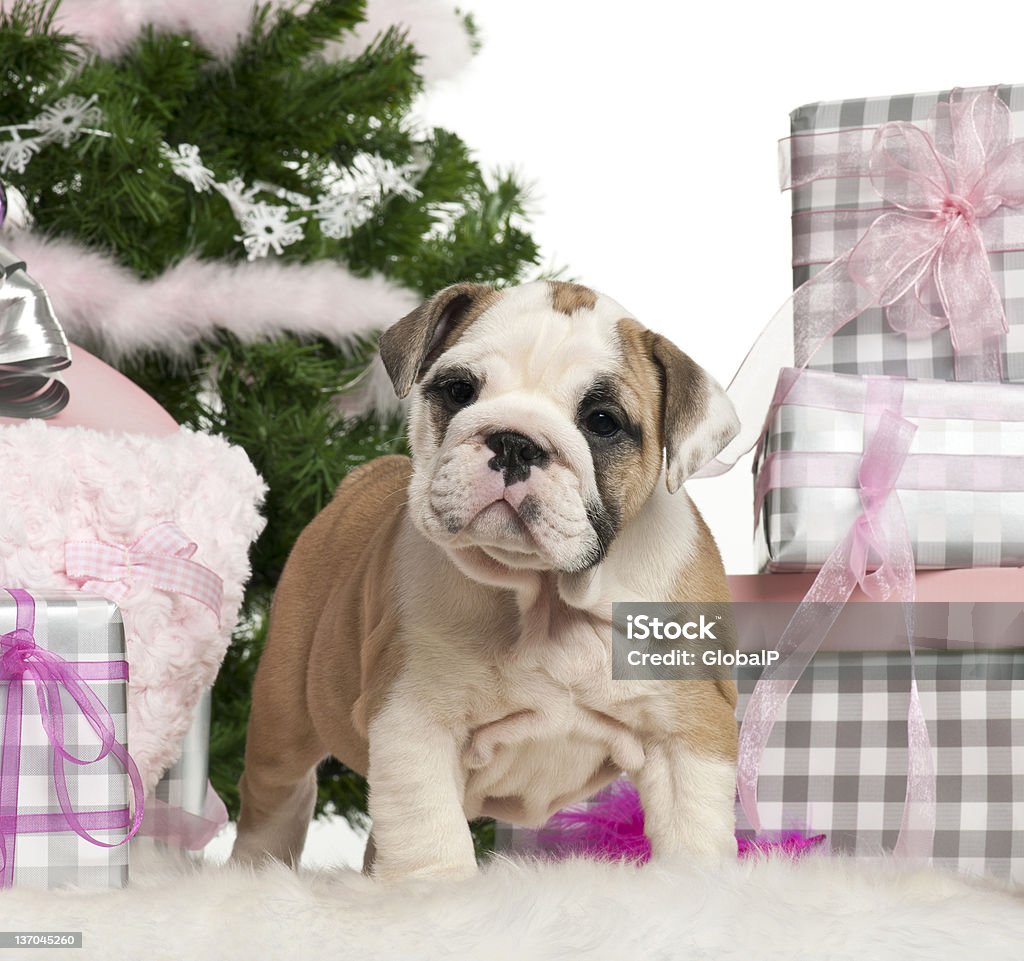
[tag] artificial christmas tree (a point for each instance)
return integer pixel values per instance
(229, 223)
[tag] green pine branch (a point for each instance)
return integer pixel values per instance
(33, 53)
(280, 41)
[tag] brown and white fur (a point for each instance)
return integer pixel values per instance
(443, 626)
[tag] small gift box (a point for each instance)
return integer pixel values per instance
(183, 811)
(878, 461)
(70, 794)
(836, 760)
(185, 785)
(907, 234)
(886, 725)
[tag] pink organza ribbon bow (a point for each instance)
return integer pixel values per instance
(878, 538)
(931, 250)
(160, 556)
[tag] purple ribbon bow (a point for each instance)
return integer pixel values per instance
(24, 660)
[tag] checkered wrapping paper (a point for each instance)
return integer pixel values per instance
(78, 627)
(836, 761)
(181, 790)
(184, 784)
(866, 345)
(961, 525)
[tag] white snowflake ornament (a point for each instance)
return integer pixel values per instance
(340, 215)
(266, 227)
(392, 179)
(62, 121)
(186, 162)
(16, 153)
(238, 195)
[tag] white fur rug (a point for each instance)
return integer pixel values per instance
(819, 908)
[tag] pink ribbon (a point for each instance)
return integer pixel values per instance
(22, 660)
(161, 556)
(877, 542)
(944, 182)
(174, 825)
(920, 472)
(949, 185)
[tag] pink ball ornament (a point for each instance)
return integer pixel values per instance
(104, 399)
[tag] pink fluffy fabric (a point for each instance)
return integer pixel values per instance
(434, 28)
(108, 309)
(611, 828)
(72, 484)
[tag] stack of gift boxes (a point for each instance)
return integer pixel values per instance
(113, 620)
(892, 469)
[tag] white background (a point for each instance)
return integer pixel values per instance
(649, 130)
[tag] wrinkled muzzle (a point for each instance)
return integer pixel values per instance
(514, 477)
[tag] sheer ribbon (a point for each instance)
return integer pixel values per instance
(174, 825)
(923, 255)
(876, 555)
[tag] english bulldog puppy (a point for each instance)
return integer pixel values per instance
(443, 626)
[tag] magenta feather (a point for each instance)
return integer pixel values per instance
(611, 828)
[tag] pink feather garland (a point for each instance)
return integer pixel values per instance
(434, 27)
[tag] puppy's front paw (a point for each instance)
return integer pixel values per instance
(457, 871)
(702, 849)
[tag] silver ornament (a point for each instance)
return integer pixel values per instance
(33, 347)
(17, 216)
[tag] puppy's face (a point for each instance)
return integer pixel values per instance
(541, 419)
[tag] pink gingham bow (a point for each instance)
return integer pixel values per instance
(160, 556)
(931, 250)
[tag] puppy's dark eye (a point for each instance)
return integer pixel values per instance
(602, 423)
(460, 392)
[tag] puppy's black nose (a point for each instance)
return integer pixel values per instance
(514, 455)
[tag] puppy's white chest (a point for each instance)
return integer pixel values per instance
(556, 738)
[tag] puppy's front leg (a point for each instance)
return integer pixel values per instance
(688, 798)
(416, 795)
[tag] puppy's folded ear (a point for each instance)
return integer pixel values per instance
(410, 346)
(698, 419)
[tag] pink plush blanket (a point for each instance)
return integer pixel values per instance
(73, 484)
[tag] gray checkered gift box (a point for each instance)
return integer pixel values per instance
(184, 785)
(87, 632)
(183, 812)
(836, 761)
(831, 213)
(961, 487)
